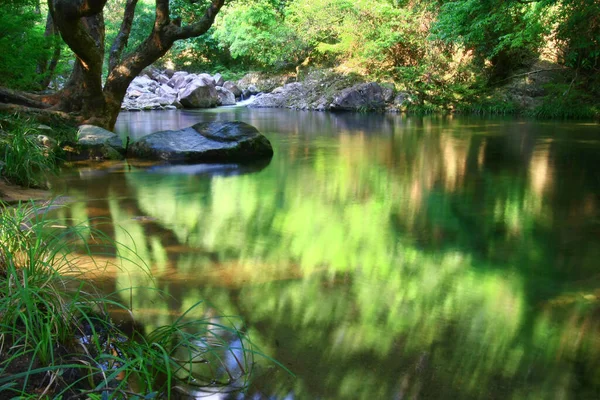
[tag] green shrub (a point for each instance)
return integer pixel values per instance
(22, 44)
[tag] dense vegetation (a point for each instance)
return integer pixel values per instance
(452, 55)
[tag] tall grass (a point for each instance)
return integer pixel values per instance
(25, 161)
(57, 338)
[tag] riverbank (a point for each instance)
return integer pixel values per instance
(10, 193)
(544, 90)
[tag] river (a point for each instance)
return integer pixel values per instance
(375, 256)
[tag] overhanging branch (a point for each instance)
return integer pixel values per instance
(162, 14)
(164, 34)
(200, 27)
(81, 26)
(120, 41)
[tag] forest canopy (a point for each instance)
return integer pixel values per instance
(438, 49)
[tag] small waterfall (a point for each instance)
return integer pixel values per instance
(245, 102)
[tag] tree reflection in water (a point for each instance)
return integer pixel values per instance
(383, 256)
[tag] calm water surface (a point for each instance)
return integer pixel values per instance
(376, 256)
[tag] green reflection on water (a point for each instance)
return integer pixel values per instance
(381, 257)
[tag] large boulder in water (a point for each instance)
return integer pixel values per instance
(226, 98)
(199, 93)
(232, 87)
(361, 97)
(210, 141)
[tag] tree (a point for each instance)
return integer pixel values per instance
(81, 25)
(507, 34)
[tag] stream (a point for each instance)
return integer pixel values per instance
(376, 256)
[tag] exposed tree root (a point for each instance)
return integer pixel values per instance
(43, 115)
(21, 98)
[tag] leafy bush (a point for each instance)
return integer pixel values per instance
(578, 30)
(506, 34)
(566, 101)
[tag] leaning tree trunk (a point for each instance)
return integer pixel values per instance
(46, 68)
(81, 25)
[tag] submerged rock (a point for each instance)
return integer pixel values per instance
(91, 135)
(212, 169)
(212, 141)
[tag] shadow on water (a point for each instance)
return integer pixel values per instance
(210, 170)
(377, 256)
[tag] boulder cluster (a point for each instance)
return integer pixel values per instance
(156, 89)
(167, 89)
(330, 92)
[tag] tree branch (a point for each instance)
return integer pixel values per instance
(200, 27)
(162, 14)
(76, 9)
(530, 73)
(42, 115)
(81, 26)
(164, 34)
(123, 36)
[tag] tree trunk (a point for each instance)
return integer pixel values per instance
(47, 67)
(116, 50)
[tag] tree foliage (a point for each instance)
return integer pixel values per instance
(506, 33)
(440, 51)
(22, 43)
(578, 29)
(255, 33)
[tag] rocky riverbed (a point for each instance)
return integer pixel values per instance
(163, 90)
(321, 90)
